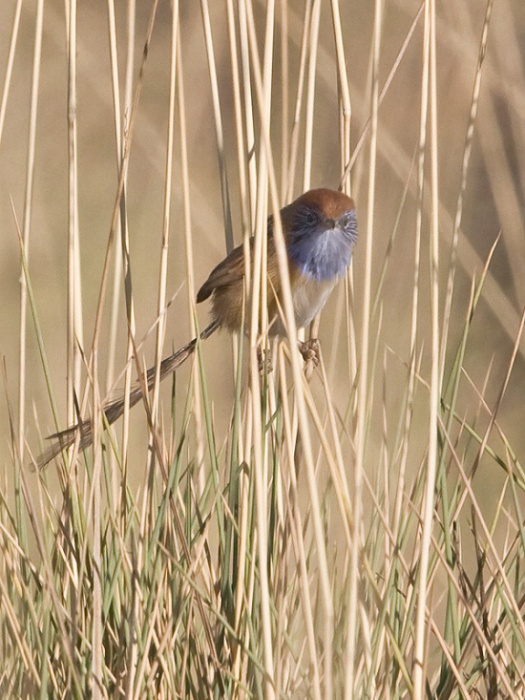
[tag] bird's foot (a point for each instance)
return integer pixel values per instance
(310, 350)
(264, 359)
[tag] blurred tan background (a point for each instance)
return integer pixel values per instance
(494, 195)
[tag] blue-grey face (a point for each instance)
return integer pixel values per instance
(319, 246)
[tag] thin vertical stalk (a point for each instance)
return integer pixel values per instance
(74, 303)
(75, 339)
(96, 516)
(294, 141)
(26, 225)
(9, 67)
(469, 139)
(344, 95)
(430, 483)
(297, 530)
(259, 320)
(168, 177)
(285, 99)
(190, 272)
(219, 131)
(248, 110)
(363, 385)
(117, 272)
(239, 122)
(123, 251)
(310, 94)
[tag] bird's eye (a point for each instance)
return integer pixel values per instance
(310, 217)
(348, 220)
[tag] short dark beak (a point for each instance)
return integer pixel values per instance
(329, 224)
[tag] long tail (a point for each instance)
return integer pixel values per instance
(114, 409)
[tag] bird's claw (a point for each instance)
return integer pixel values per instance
(264, 359)
(310, 350)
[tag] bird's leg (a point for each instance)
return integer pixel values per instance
(264, 360)
(310, 350)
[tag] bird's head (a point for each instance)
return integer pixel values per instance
(321, 230)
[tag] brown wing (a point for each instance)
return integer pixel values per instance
(230, 270)
(226, 284)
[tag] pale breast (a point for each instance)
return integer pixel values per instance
(309, 297)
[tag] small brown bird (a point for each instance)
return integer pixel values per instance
(320, 230)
